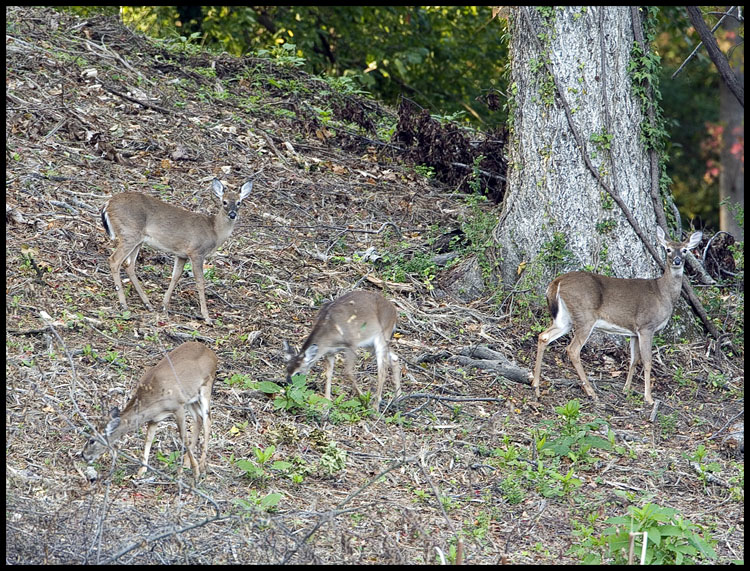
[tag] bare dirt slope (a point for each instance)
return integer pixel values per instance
(93, 110)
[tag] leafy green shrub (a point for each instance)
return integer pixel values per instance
(672, 540)
(333, 460)
(510, 489)
(256, 469)
(255, 503)
(575, 440)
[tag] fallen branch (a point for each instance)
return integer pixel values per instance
(710, 478)
(393, 286)
(485, 358)
(138, 101)
(445, 398)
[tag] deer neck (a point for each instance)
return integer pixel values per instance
(129, 422)
(135, 415)
(223, 226)
(670, 283)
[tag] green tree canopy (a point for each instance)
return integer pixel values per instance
(445, 58)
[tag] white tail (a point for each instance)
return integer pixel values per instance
(133, 218)
(356, 319)
(182, 380)
(636, 307)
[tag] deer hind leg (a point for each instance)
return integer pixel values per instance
(194, 409)
(574, 352)
(560, 326)
(350, 357)
(205, 413)
(130, 262)
(179, 265)
(150, 434)
(384, 358)
(396, 371)
(635, 358)
(126, 252)
(180, 418)
(201, 413)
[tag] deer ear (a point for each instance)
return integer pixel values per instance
(289, 353)
(245, 190)
(311, 354)
(694, 240)
(114, 422)
(217, 188)
(112, 426)
(661, 237)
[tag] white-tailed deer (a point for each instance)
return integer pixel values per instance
(636, 307)
(133, 218)
(356, 319)
(182, 380)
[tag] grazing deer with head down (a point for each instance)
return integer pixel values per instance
(636, 307)
(356, 319)
(133, 218)
(182, 380)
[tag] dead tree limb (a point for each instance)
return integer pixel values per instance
(719, 59)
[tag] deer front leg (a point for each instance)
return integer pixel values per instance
(179, 265)
(330, 360)
(635, 357)
(200, 283)
(574, 352)
(645, 340)
(150, 434)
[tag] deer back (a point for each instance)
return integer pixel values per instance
(617, 305)
(135, 217)
(620, 305)
(356, 319)
(173, 383)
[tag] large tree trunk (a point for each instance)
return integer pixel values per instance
(732, 115)
(550, 188)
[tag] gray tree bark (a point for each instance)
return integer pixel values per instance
(550, 187)
(732, 116)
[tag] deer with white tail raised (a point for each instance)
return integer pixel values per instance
(635, 307)
(134, 219)
(182, 380)
(356, 319)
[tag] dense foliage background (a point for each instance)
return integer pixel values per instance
(452, 60)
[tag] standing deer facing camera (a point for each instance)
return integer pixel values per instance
(356, 319)
(133, 218)
(182, 380)
(636, 307)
